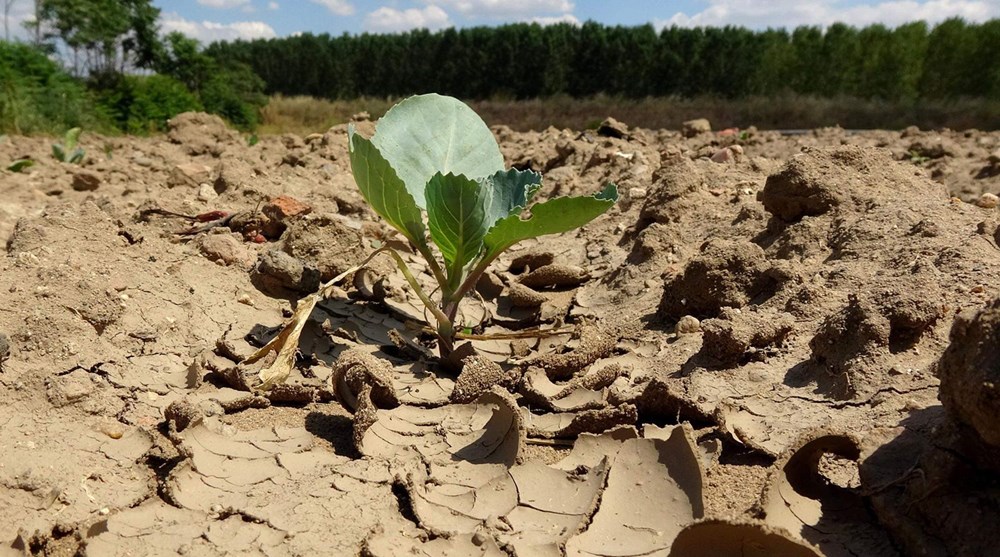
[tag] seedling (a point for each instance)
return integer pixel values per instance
(20, 164)
(432, 155)
(68, 150)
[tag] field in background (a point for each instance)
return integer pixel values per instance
(303, 115)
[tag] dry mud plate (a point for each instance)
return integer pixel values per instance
(771, 346)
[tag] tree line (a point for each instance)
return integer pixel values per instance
(953, 59)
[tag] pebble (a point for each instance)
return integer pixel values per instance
(206, 193)
(988, 201)
(688, 325)
(84, 180)
(637, 193)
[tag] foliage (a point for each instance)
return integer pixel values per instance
(68, 150)
(20, 164)
(36, 95)
(142, 104)
(102, 36)
(432, 154)
(909, 63)
(227, 88)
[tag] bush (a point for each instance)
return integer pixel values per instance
(38, 96)
(143, 104)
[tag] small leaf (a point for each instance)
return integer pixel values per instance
(58, 152)
(20, 165)
(510, 190)
(383, 189)
(72, 138)
(430, 134)
(550, 217)
(457, 220)
(77, 156)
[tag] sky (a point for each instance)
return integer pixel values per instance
(210, 20)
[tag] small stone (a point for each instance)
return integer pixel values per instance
(688, 325)
(278, 270)
(114, 430)
(988, 201)
(313, 137)
(4, 348)
(190, 173)
(283, 207)
(637, 193)
(245, 299)
(143, 161)
(206, 193)
(722, 156)
(695, 127)
(978, 289)
(227, 249)
(84, 180)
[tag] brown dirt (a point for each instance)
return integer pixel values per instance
(827, 269)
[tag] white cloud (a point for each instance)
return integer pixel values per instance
(223, 4)
(792, 13)
(523, 9)
(565, 18)
(208, 31)
(391, 20)
(272, 6)
(20, 11)
(337, 7)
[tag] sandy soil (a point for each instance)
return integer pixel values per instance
(782, 345)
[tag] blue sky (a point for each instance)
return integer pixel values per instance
(209, 20)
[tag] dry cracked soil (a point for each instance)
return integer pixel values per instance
(772, 345)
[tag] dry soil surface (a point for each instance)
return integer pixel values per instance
(772, 345)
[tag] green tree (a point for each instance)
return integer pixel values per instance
(103, 36)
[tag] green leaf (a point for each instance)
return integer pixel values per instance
(77, 156)
(20, 165)
(58, 152)
(550, 217)
(383, 189)
(456, 217)
(510, 192)
(429, 134)
(72, 138)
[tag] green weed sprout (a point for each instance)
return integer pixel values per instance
(68, 150)
(434, 172)
(20, 164)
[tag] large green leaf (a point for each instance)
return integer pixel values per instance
(383, 189)
(456, 217)
(550, 217)
(429, 134)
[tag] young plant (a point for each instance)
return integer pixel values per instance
(432, 155)
(20, 164)
(68, 150)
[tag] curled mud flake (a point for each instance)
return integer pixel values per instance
(593, 345)
(353, 370)
(540, 391)
(799, 497)
(552, 506)
(590, 449)
(486, 431)
(654, 489)
(522, 296)
(567, 425)
(743, 538)
(555, 276)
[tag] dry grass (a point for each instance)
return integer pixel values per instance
(304, 115)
